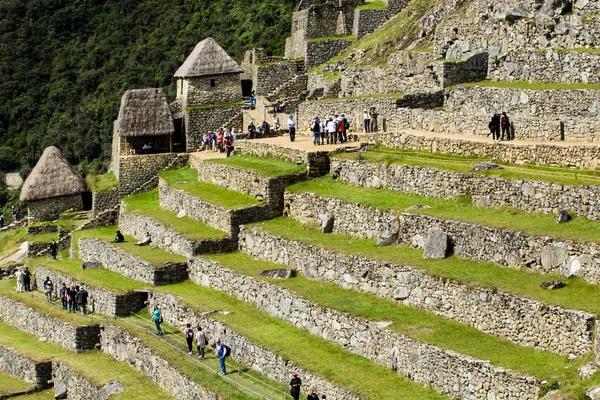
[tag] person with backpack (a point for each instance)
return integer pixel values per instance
(48, 288)
(343, 126)
(71, 298)
(82, 299)
(505, 125)
(295, 385)
(228, 144)
(158, 319)
(189, 337)
(222, 352)
(64, 294)
(316, 129)
(53, 249)
(201, 342)
(292, 128)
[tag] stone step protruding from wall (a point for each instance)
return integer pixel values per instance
(117, 260)
(449, 372)
(521, 320)
(100, 300)
(36, 372)
(73, 338)
(243, 350)
(473, 241)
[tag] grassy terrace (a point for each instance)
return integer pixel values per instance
(214, 105)
(579, 228)
(12, 384)
(63, 223)
(154, 256)
(373, 5)
(43, 237)
(10, 241)
(187, 179)
(532, 85)
(102, 183)
(413, 322)
(147, 204)
(576, 295)
(43, 395)
(98, 368)
(267, 167)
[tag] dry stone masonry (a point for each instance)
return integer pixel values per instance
(117, 260)
(523, 321)
(142, 170)
(38, 373)
(71, 382)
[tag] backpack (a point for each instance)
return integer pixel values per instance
(346, 124)
(227, 351)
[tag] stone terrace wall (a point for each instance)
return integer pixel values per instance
(121, 345)
(523, 321)
(477, 242)
(517, 102)
(25, 318)
(243, 350)
(51, 208)
(320, 51)
(119, 261)
(492, 191)
(100, 300)
(137, 170)
(103, 201)
(211, 214)
(38, 373)
(448, 372)
(367, 21)
(522, 127)
(198, 122)
(170, 240)
(77, 386)
(582, 156)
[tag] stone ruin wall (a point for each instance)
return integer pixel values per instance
(198, 122)
(50, 209)
(448, 372)
(523, 321)
(320, 51)
(268, 77)
(77, 386)
(243, 350)
(141, 171)
(198, 91)
(37, 373)
(103, 201)
(477, 242)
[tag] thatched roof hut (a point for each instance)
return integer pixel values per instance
(208, 58)
(145, 112)
(52, 176)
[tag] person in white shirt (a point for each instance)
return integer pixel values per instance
(331, 131)
(292, 128)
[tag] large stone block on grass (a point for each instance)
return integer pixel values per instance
(436, 244)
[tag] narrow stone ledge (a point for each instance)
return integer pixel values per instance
(243, 350)
(38, 373)
(449, 372)
(119, 261)
(100, 300)
(523, 321)
(73, 338)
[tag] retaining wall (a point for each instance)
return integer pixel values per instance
(38, 373)
(139, 170)
(103, 201)
(117, 260)
(449, 372)
(523, 321)
(25, 318)
(77, 386)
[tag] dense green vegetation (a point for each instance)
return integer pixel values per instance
(64, 65)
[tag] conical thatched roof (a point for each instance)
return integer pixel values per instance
(145, 112)
(52, 176)
(208, 58)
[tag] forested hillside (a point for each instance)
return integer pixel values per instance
(64, 64)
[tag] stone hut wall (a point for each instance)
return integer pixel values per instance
(100, 300)
(121, 345)
(71, 337)
(243, 350)
(117, 260)
(198, 90)
(487, 191)
(38, 373)
(473, 241)
(103, 201)
(77, 386)
(523, 321)
(200, 121)
(50, 209)
(448, 372)
(138, 170)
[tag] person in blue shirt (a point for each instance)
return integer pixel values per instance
(158, 319)
(221, 354)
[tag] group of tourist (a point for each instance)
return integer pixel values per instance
(221, 141)
(330, 130)
(72, 298)
(497, 123)
(23, 279)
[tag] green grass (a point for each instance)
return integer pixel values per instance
(413, 322)
(147, 204)
(532, 85)
(348, 38)
(66, 224)
(43, 395)
(97, 367)
(560, 175)
(396, 96)
(186, 179)
(318, 356)
(11, 240)
(12, 384)
(43, 237)
(267, 167)
(373, 5)
(576, 295)
(102, 183)
(213, 105)
(153, 255)
(578, 50)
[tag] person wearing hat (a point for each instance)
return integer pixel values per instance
(292, 128)
(295, 385)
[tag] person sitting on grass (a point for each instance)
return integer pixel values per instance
(119, 237)
(146, 241)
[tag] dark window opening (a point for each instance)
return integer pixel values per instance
(212, 83)
(246, 87)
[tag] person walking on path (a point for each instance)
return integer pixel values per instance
(71, 298)
(27, 280)
(367, 121)
(64, 295)
(221, 354)
(505, 125)
(295, 385)
(494, 126)
(48, 288)
(189, 337)
(20, 281)
(53, 249)
(158, 319)
(82, 299)
(316, 129)
(201, 342)
(292, 128)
